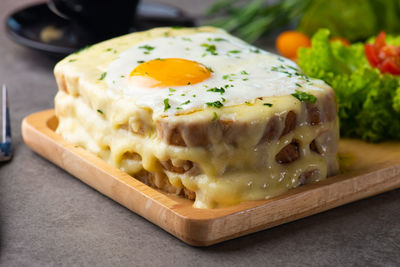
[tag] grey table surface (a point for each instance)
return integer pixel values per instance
(49, 218)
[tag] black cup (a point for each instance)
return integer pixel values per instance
(102, 18)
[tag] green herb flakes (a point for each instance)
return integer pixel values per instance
(268, 104)
(209, 69)
(166, 104)
(217, 90)
(72, 60)
(186, 102)
(171, 90)
(100, 111)
(304, 97)
(102, 76)
(219, 40)
(216, 104)
(147, 49)
(212, 49)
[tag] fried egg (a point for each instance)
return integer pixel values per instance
(173, 75)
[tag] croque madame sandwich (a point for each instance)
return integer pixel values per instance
(199, 113)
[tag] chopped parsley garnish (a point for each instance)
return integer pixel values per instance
(298, 85)
(140, 61)
(72, 60)
(243, 72)
(219, 40)
(171, 90)
(166, 104)
(215, 117)
(178, 108)
(194, 95)
(100, 111)
(216, 104)
(217, 90)
(234, 52)
(268, 104)
(223, 99)
(186, 102)
(228, 77)
(147, 48)
(288, 70)
(304, 97)
(183, 94)
(103, 75)
(209, 69)
(111, 49)
(245, 79)
(212, 49)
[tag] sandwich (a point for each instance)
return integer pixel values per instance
(199, 113)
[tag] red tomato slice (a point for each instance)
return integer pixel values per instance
(380, 41)
(383, 56)
(371, 55)
(389, 66)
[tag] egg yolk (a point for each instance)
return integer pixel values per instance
(169, 72)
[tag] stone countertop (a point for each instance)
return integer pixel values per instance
(49, 218)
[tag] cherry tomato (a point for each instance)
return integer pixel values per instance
(383, 56)
(289, 42)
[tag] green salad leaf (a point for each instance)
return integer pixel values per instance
(369, 102)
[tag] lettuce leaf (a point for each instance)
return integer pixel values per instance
(369, 102)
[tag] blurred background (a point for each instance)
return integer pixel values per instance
(77, 23)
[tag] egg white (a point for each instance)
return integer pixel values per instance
(245, 75)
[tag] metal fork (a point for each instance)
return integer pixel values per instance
(5, 133)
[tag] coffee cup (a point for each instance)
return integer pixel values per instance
(102, 18)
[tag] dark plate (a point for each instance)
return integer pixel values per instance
(38, 28)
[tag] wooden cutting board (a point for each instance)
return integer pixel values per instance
(367, 170)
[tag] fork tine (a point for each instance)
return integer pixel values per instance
(6, 144)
